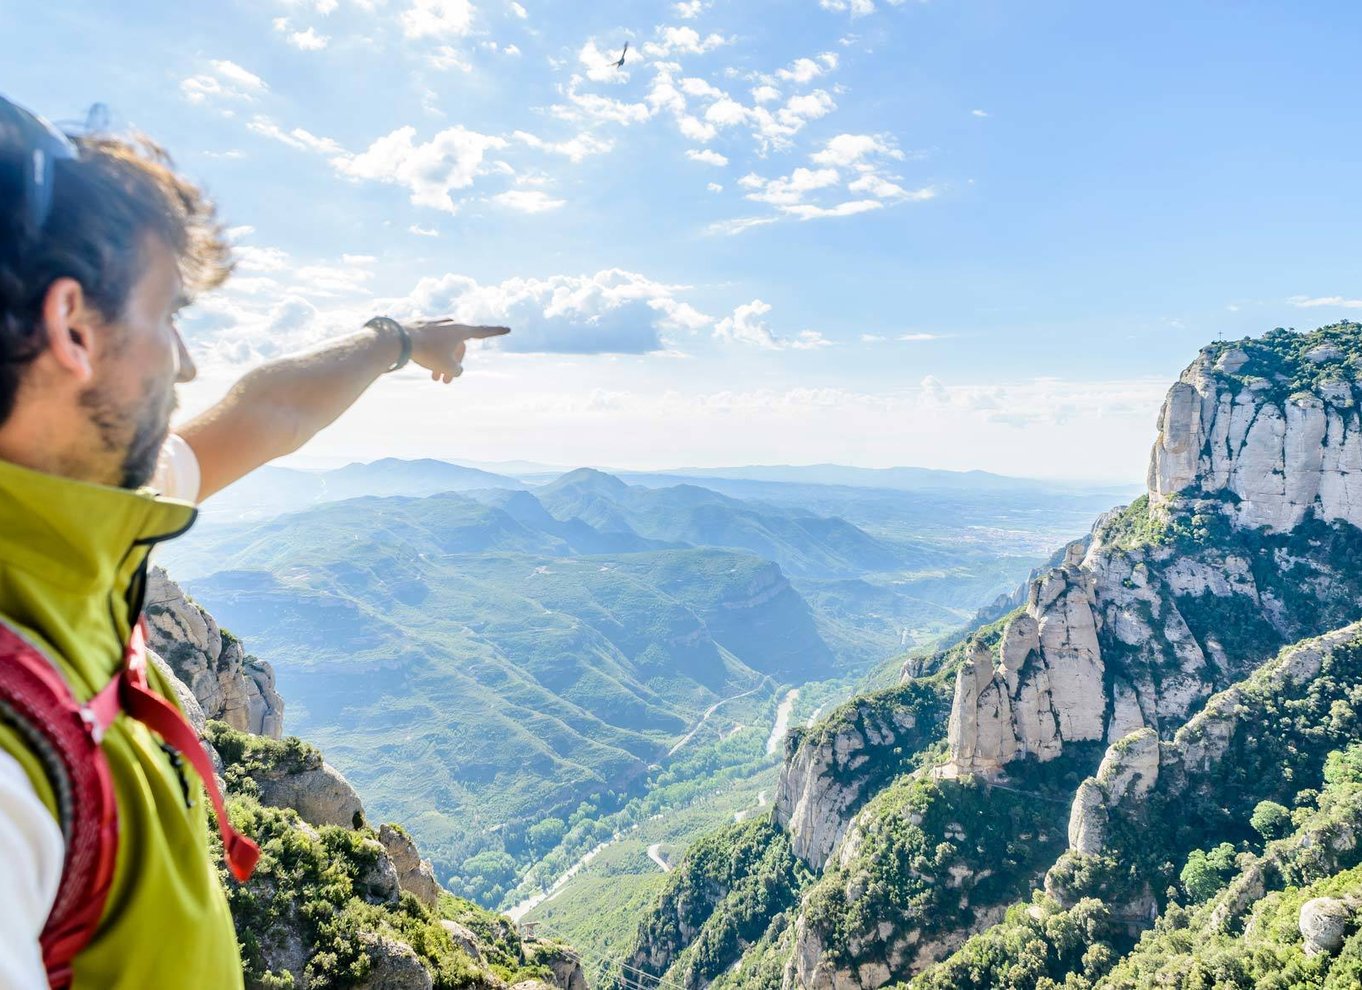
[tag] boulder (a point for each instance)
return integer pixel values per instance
(320, 794)
(1324, 924)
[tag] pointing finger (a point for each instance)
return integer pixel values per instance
(482, 333)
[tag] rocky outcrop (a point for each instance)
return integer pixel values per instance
(832, 769)
(1130, 767)
(229, 685)
(414, 874)
(1133, 766)
(1234, 424)
(318, 792)
(1324, 923)
(1255, 442)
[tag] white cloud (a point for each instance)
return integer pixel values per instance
(527, 200)
(878, 186)
(738, 225)
(809, 340)
(918, 337)
(715, 187)
(296, 138)
(706, 157)
(765, 94)
(574, 149)
(979, 113)
(306, 41)
(746, 325)
(873, 338)
(804, 70)
(420, 231)
(858, 8)
(437, 18)
(1337, 302)
(851, 149)
(810, 211)
(688, 9)
(611, 312)
(449, 161)
(448, 57)
(225, 80)
(682, 40)
(518, 10)
(787, 191)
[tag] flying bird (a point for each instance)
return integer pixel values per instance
(620, 63)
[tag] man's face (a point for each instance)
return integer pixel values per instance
(141, 359)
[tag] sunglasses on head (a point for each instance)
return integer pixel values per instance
(31, 146)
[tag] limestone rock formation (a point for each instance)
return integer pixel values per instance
(1226, 427)
(414, 874)
(835, 766)
(1255, 442)
(1134, 765)
(1130, 767)
(318, 792)
(230, 686)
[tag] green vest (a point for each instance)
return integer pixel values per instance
(72, 576)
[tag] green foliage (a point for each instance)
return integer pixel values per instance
(1034, 943)
(1272, 820)
(935, 853)
(725, 895)
(544, 835)
(1207, 873)
(1277, 360)
(309, 890)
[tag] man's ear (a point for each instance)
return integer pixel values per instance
(69, 328)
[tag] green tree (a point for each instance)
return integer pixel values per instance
(1207, 873)
(1271, 820)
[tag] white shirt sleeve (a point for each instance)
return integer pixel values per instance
(177, 471)
(34, 855)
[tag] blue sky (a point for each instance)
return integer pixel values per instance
(957, 234)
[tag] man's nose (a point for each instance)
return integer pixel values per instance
(185, 369)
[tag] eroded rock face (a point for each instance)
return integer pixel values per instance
(1280, 456)
(414, 874)
(229, 685)
(1104, 644)
(1130, 767)
(320, 794)
(836, 766)
(1134, 765)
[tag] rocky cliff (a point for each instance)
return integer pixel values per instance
(229, 685)
(1245, 541)
(1273, 428)
(831, 769)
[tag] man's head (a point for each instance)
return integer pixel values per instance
(89, 350)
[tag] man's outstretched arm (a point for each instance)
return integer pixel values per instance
(276, 408)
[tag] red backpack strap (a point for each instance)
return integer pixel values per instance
(164, 719)
(37, 702)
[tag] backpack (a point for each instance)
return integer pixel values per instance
(65, 735)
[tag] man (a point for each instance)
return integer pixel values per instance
(101, 244)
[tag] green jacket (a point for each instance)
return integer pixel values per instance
(73, 560)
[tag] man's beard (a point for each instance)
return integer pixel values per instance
(138, 432)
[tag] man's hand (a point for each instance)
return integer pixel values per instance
(439, 345)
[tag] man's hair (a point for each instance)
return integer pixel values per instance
(104, 204)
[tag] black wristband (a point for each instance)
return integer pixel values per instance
(381, 323)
